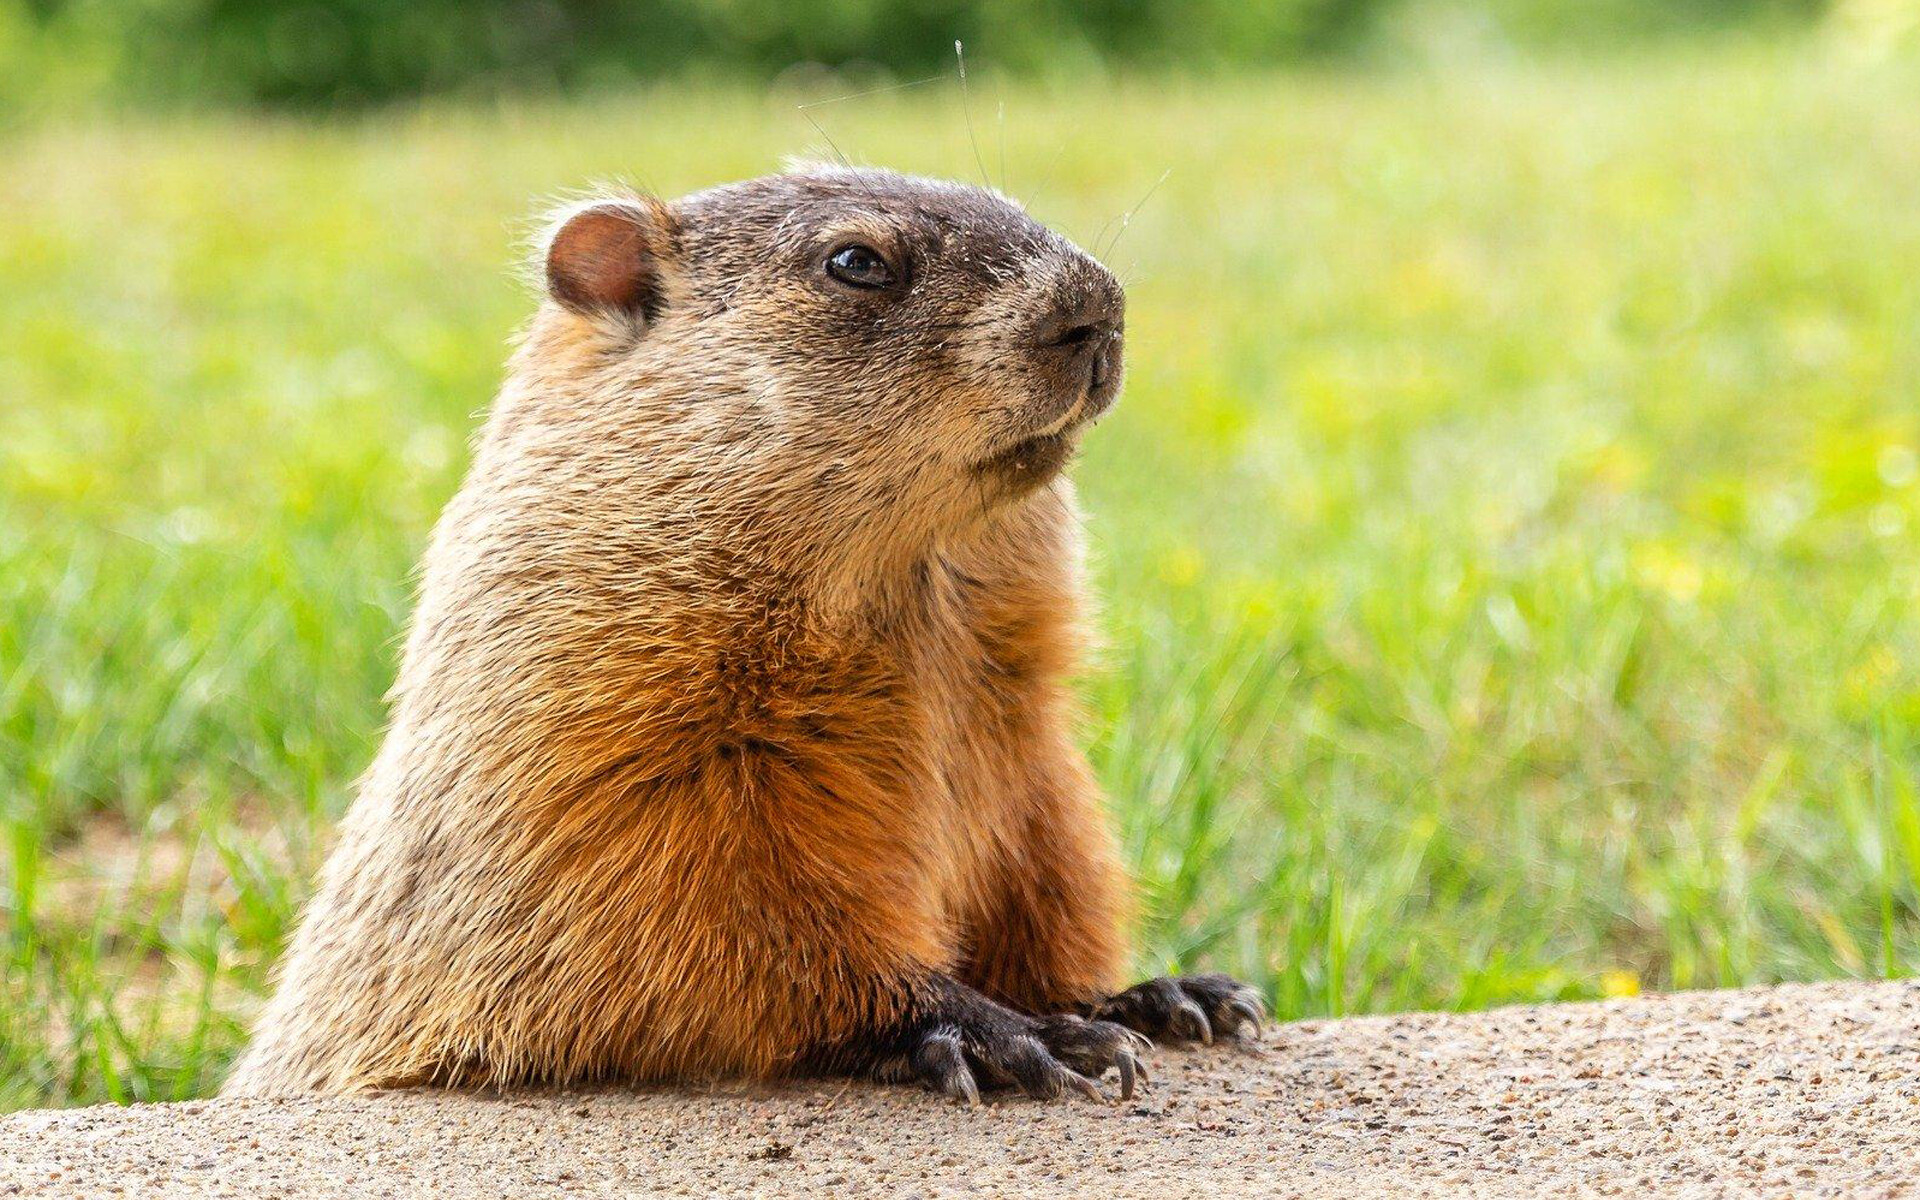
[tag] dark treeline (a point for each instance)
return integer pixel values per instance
(328, 52)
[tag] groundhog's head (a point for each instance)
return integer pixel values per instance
(909, 339)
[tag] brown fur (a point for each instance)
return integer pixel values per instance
(733, 710)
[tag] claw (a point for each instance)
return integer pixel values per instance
(1129, 1071)
(942, 1064)
(1249, 1013)
(1191, 1023)
(1086, 1087)
(961, 1086)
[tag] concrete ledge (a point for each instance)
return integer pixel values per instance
(1810, 1090)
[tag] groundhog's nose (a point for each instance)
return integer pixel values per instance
(1083, 335)
(1083, 319)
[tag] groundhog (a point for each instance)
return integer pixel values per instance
(733, 736)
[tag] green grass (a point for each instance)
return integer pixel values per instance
(1510, 536)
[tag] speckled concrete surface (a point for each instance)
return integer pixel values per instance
(1793, 1091)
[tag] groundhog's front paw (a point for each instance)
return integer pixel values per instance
(1186, 1008)
(1044, 1058)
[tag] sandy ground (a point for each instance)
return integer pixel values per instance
(1792, 1091)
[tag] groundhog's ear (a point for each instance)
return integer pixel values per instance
(611, 255)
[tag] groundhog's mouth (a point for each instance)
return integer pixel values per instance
(1031, 460)
(1040, 455)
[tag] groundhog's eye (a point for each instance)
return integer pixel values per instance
(860, 266)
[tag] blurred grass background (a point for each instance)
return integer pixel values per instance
(313, 53)
(1508, 537)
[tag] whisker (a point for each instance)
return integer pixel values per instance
(1002, 121)
(834, 146)
(1128, 219)
(1102, 232)
(891, 87)
(853, 172)
(966, 108)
